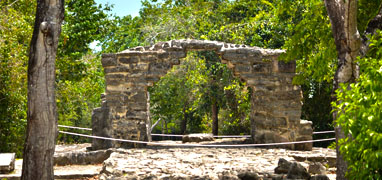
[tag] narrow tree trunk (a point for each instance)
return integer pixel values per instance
(162, 129)
(42, 118)
(165, 125)
(343, 17)
(215, 120)
(183, 124)
(148, 121)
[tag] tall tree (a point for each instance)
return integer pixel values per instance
(343, 17)
(42, 117)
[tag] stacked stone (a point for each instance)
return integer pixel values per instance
(276, 106)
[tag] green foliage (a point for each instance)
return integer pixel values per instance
(235, 116)
(316, 107)
(123, 33)
(178, 94)
(79, 77)
(15, 33)
(367, 10)
(84, 23)
(311, 43)
(188, 90)
(214, 20)
(359, 114)
(79, 73)
(301, 27)
(77, 99)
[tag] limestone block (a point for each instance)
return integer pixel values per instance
(262, 67)
(177, 54)
(304, 146)
(152, 79)
(89, 157)
(116, 69)
(119, 77)
(234, 57)
(282, 166)
(284, 67)
(320, 177)
(286, 112)
(108, 60)
(197, 138)
(7, 162)
(150, 58)
(316, 168)
(113, 82)
(201, 45)
(136, 115)
(304, 132)
(128, 59)
(137, 106)
(248, 176)
(272, 122)
(160, 67)
(101, 126)
(268, 136)
(163, 55)
(297, 171)
(241, 68)
(139, 96)
(138, 67)
(114, 103)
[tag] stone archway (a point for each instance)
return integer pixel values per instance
(276, 106)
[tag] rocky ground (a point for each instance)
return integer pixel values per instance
(155, 162)
(176, 162)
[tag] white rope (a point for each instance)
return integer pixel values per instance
(233, 136)
(177, 135)
(323, 132)
(72, 127)
(195, 145)
(226, 136)
(167, 135)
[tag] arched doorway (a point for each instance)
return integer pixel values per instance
(276, 107)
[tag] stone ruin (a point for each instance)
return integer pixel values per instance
(275, 104)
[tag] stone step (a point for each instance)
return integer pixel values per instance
(7, 162)
(60, 172)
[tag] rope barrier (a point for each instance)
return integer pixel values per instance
(167, 135)
(72, 127)
(227, 136)
(323, 132)
(195, 145)
(177, 135)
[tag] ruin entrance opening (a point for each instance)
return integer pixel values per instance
(200, 95)
(275, 101)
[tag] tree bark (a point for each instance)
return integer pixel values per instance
(343, 17)
(42, 117)
(215, 120)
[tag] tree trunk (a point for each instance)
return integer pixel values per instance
(162, 129)
(343, 17)
(183, 124)
(42, 117)
(215, 120)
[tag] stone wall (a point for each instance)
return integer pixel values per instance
(276, 106)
